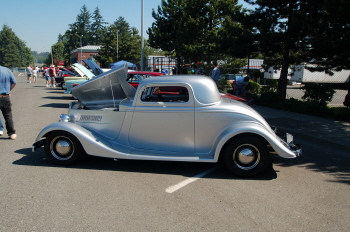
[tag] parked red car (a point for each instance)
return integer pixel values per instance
(134, 78)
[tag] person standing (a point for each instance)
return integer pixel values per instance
(215, 74)
(29, 74)
(47, 76)
(7, 83)
(52, 73)
(35, 75)
(1, 128)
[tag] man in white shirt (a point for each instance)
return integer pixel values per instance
(29, 74)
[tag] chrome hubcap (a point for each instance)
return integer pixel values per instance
(62, 148)
(246, 156)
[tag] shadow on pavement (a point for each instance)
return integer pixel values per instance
(56, 105)
(67, 97)
(187, 169)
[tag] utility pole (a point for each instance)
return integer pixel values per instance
(117, 45)
(142, 48)
(81, 50)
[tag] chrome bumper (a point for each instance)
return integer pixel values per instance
(287, 140)
(38, 144)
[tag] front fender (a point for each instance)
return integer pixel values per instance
(91, 142)
(257, 129)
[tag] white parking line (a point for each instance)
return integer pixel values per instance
(176, 187)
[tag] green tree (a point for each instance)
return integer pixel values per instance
(78, 31)
(58, 53)
(128, 40)
(190, 28)
(330, 38)
(107, 53)
(283, 28)
(13, 51)
(98, 28)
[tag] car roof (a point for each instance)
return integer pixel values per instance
(204, 88)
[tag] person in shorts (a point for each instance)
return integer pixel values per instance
(29, 74)
(47, 77)
(52, 73)
(35, 75)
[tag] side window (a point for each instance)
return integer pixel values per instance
(165, 94)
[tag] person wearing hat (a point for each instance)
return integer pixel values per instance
(199, 70)
(52, 73)
(241, 84)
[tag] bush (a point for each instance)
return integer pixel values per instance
(253, 87)
(271, 87)
(318, 93)
(270, 99)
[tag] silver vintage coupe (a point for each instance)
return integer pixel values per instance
(169, 118)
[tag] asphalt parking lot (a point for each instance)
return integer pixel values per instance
(309, 193)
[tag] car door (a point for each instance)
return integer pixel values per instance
(163, 120)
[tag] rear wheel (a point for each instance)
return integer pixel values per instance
(63, 85)
(246, 155)
(63, 148)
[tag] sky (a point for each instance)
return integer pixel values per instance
(39, 22)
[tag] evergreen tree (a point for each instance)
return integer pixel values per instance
(190, 28)
(108, 51)
(295, 31)
(78, 33)
(128, 40)
(330, 37)
(98, 28)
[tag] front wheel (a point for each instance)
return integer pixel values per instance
(63, 148)
(246, 155)
(63, 85)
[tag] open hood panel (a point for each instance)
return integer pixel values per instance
(109, 88)
(83, 72)
(95, 69)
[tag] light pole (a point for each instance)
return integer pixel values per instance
(51, 56)
(117, 46)
(142, 48)
(81, 50)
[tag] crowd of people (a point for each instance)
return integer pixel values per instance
(8, 82)
(50, 74)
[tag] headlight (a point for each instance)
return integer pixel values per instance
(64, 118)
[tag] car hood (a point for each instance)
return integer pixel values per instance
(108, 88)
(84, 72)
(94, 67)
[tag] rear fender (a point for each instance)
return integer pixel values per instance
(256, 129)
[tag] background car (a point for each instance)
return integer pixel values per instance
(230, 77)
(134, 78)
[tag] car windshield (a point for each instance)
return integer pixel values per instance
(134, 78)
